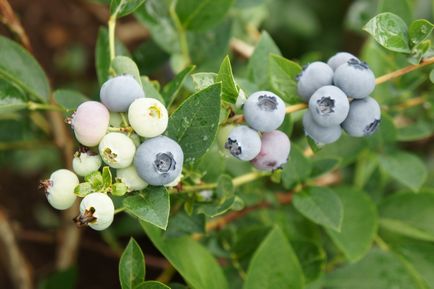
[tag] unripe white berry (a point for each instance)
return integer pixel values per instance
(148, 117)
(117, 150)
(131, 179)
(86, 162)
(96, 211)
(59, 189)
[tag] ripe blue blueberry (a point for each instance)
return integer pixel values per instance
(264, 111)
(321, 135)
(275, 147)
(243, 143)
(338, 59)
(96, 211)
(355, 78)
(313, 76)
(363, 118)
(119, 92)
(159, 160)
(329, 106)
(59, 189)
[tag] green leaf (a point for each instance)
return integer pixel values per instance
(20, 68)
(102, 54)
(406, 168)
(202, 80)
(201, 14)
(431, 76)
(312, 259)
(390, 31)
(83, 189)
(152, 206)
(11, 98)
(68, 279)
(410, 215)
(125, 65)
(321, 205)
(132, 266)
(150, 90)
(283, 73)
(194, 124)
(194, 262)
(119, 189)
(171, 90)
(259, 62)
(69, 99)
(120, 8)
(355, 237)
(297, 169)
(224, 198)
(183, 224)
(106, 177)
(274, 265)
(151, 285)
(95, 180)
(323, 165)
(229, 87)
(416, 131)
(419, 30)
(379, 270)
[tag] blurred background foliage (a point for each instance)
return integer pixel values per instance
(64, 35)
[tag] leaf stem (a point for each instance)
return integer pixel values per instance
(120, 210)
(181, 33)
(167, 274)
(127, 129)
(381, 243)
(405, 70)
(111, 31)
(238, 181)
(43, 106)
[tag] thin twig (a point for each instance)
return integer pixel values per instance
(405, 70)
(8, 18)
(14, 261)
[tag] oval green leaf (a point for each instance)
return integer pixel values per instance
(132, 266)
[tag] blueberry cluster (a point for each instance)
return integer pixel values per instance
(140, 154)
(338, 96)
(260, 142)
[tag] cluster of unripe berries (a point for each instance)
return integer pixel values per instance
(140, 154)
(338, 96)
(259, 141)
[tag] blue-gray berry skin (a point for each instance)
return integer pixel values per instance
(313, 76)
(243, 143)
(329, 106)
(321, 135)
(355, 78)
(159, 160)
(264, 111)
(363, 118)
(119, 92)
(338, 59)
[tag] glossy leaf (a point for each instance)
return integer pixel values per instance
(259, 62)
(194, 124)
(201, 14)
(152, 285)
(285, 271)
(152, 206)
(171, 90)
(202, 80)
(132, 266)
(420, 30)
(20, 68)
(194, 262)
(355, 237)
(283, 73)
(69, 99)
(125, 65)
(11, 98)
(321, 205)
(229, 87)
(121, 8)
(390, 31)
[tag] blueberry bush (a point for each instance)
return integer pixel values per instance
(243, 168)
